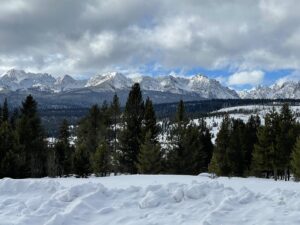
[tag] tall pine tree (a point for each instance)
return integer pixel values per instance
(31, 137)
(131, 136)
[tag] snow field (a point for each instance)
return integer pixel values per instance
(161, 199)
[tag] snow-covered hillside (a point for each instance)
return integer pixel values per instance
(242, 112)
(288, 89)
(140, 199)
(198, 85)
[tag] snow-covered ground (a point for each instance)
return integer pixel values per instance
(141, 199)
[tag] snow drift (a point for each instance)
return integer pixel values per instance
(153, 200)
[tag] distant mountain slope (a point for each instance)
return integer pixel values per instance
(289, 89)
(162, 88)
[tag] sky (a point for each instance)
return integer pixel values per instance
(240, 43)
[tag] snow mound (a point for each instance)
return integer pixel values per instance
(201, 201)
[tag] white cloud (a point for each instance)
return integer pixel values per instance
(254, 77)
(294, 76)
(92, 35)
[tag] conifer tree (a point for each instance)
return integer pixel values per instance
(131, 136)
(249, 139)
(10, 155)
(263, 153)
(285, 139)
(100, 160)
(81, 161)
(149, 160)
(177, 151)
(5, 111)
(150, 125)
(31, 137)
(220, 157)
(63, 150)
(115, 110)
(295, 161)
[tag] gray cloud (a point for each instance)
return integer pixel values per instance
(85, 37)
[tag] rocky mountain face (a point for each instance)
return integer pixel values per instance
(194, 88)
(289, 89)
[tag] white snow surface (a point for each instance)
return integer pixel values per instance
(149, 199)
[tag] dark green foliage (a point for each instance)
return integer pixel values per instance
(249, 140)
(191, 148)
(149, 122)
(234, 146)
(31, 137)
(220, 157)
(5, 112)
(131, 136)
(149, 160)
(10, 155)
(63, 151)
(295, 162)
(100, 160)
(81, 161)
(275, 143)
(180, 112)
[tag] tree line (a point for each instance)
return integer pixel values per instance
(129, 141)
(269, 150)
(108, 140)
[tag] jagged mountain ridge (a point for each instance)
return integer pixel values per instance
(198, 85)
(285, 90)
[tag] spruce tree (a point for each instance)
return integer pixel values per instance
(100, 160)
(220, 159)
(285, 139)
(249, 139)
(10, 152)
(131, 136)
(63, 150)
(263, 153)
(177, 150)
(149, 160)
(31, 137)
(81, 161)
(149, 122)
(5, 111)
(115, 110)
(295, 161)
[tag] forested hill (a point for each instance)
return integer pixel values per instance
(52, 117)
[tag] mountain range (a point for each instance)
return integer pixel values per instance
(66, 90)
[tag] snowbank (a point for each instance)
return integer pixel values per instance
(139, 200)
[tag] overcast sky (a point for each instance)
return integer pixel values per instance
(241, 43)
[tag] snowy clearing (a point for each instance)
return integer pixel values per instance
(141, 199)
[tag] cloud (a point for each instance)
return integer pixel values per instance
(86, 37)
(246, 77)
(294, 76)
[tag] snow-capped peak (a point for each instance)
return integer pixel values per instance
(112, 80)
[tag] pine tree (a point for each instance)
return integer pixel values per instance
(5, 111)
(31, 137)
(249, 139)
(63, 150)
(10, 155)
(131, 136)
(115, 114)
(220, 161)
(262, 156)
(234, 152)
(285, 139)
(295, 162)
(180, 113)
(100, 161)
(150, 125)
(81, 161)
(149, 160)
